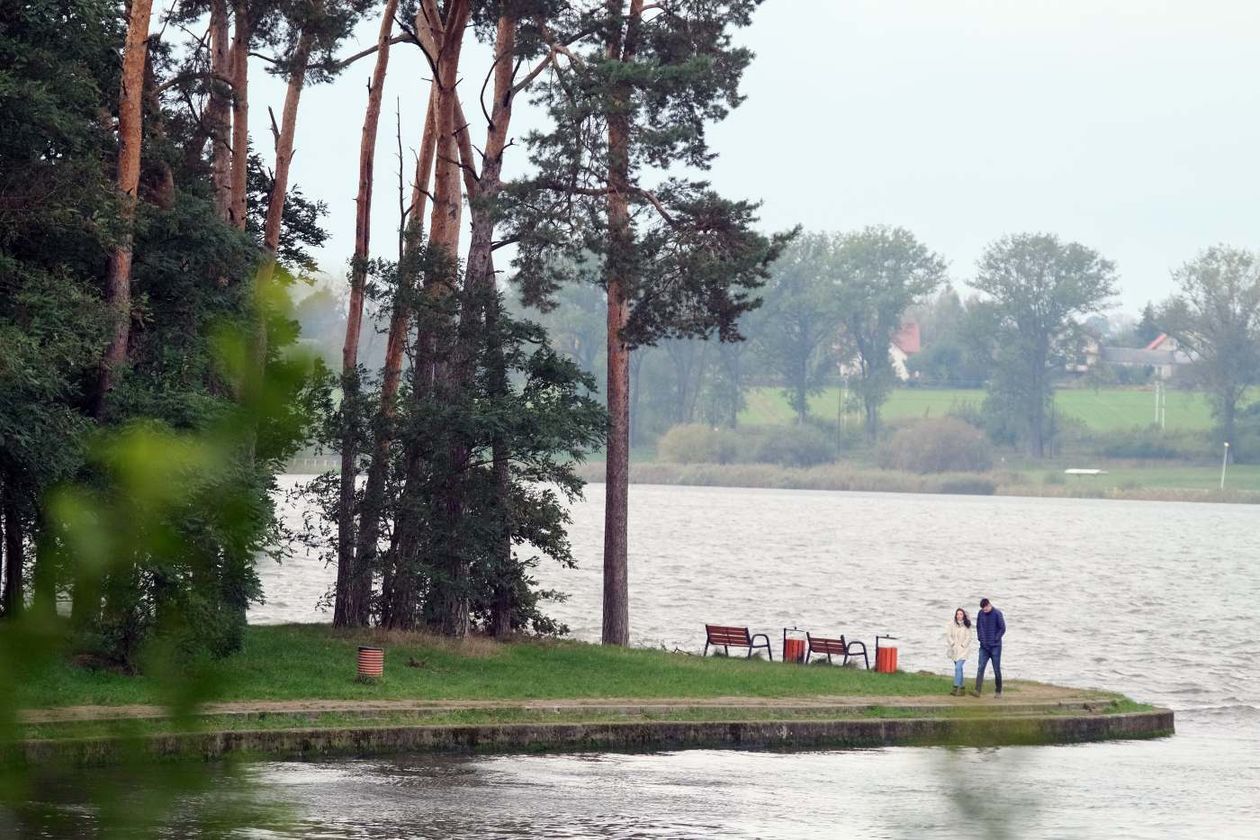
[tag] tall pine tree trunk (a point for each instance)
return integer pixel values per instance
(218, 109)
(354, 580)
(130, 139)
(504, 568)
(616, 629)
(430, 367)
(284, 143)
(279, 191)
(237, 207)
(477, 299)
(371, 509)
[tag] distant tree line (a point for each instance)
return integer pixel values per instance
(1037, 304)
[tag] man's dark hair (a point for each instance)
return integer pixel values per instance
(984, 602)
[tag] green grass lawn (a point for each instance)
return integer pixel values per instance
(309, 662)
(1102, 410)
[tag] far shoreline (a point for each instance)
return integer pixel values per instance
(844, 478)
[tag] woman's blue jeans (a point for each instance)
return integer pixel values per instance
(958, 672)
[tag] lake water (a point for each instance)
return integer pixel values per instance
(1159, 600)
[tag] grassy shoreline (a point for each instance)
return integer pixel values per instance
(292, 691)
(316, 662)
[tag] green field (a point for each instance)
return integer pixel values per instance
(1105, 409)
(1240, 477)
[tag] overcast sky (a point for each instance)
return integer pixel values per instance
(1132, 127)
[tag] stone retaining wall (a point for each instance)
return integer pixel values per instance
(615, 736)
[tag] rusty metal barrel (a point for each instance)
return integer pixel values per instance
(371, 662)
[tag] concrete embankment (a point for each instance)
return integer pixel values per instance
(1000, 729)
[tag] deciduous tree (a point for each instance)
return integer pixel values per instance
(880, 272)
(797, 327)
(1215, 315)
(1038, 286)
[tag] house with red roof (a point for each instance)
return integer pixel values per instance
(905, 343)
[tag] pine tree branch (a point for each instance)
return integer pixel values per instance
(348, 60)
(192, 75)
(534, 73)
(652, 199)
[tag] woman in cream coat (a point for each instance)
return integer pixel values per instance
(958, 636)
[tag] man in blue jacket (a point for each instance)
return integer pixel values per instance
(990, 628)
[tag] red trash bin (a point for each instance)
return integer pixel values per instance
(793, 646)
(886, 659)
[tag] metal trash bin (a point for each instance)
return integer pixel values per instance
(885, 656)
(794, 646)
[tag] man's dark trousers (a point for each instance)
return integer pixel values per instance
(987, 655)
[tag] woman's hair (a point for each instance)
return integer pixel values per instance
(966, 618)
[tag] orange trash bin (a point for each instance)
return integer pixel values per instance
(793, 650)
(886, 660)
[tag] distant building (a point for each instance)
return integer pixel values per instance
(907, 341)
(1163, 354)
(1090, 354)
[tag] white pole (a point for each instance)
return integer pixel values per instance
(1224, 464)
(1157, 403)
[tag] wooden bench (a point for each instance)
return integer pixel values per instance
(837, 647)
(729, 637)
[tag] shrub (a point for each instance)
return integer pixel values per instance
(1150, 444)
(967, 485)
(698, 444)
(796, 446)
(934, 446)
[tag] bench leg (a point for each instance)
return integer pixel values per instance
(706, 649)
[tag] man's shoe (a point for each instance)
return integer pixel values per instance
(997, 695)
(974, 693)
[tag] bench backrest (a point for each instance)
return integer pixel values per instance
(719, 635)
(821, 645)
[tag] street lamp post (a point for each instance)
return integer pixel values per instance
(1224, 464)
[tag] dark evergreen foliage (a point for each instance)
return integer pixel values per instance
(150, 516)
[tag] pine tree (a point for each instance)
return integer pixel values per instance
(636, 88)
